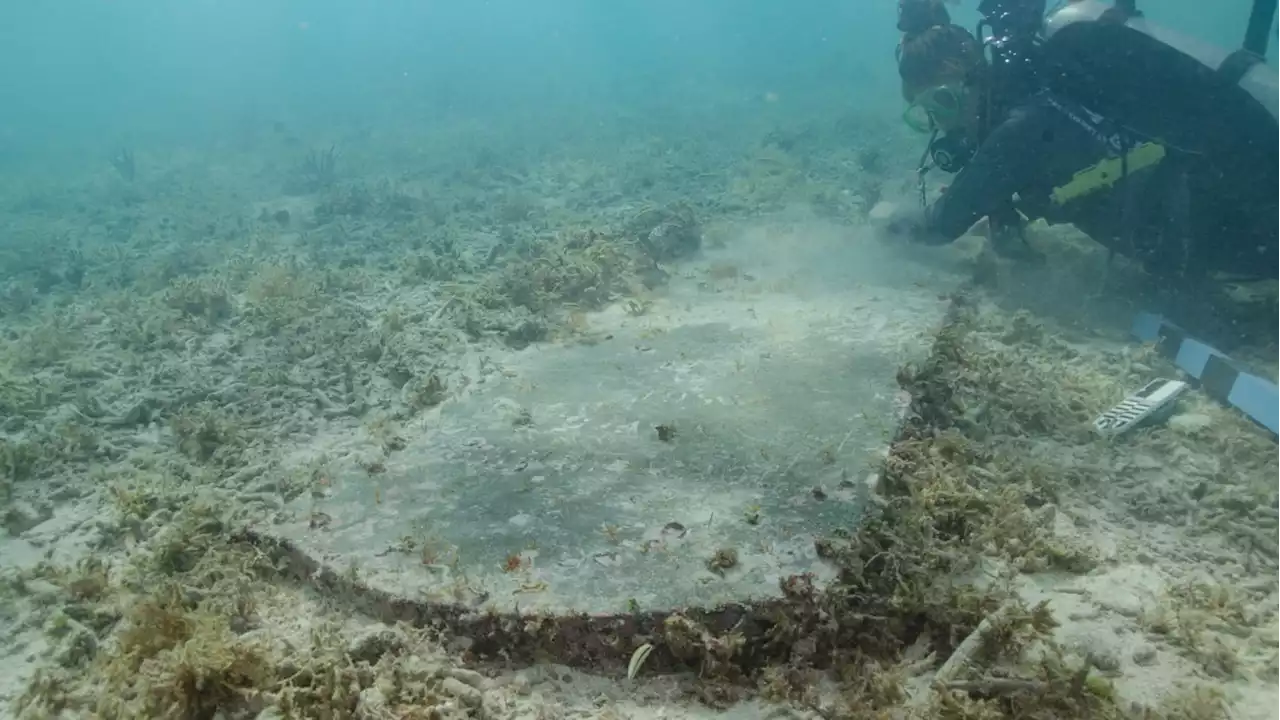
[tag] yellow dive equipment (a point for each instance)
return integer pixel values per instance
(1107, 172)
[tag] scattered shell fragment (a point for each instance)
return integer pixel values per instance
(637, 660)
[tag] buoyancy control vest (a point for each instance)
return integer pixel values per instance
(1173, 89)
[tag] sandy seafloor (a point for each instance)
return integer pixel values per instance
(188, 353)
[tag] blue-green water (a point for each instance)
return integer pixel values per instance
(319, 316)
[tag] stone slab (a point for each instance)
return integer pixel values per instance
(549, 486)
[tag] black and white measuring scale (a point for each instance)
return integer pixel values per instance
(1152, 403)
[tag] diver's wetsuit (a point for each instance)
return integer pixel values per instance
(1177, 215)
(1202, 208)
(1041, 145)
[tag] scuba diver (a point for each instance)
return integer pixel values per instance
(1159, 149)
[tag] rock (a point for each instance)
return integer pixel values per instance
(139, 414)
(525, 334)
(1145, 656)
(882, 210)
(459, 644)
(667, 234)
(520, 684)
(66, 492)
(267, 499)
(77, 647)
(470, 677)
(23, 516)
(465, 694)
(371, 703)
(493, 704)
(1190, 423)
(1105, 659)
(1142, 461)
(269, 485)
(42, 592)
(372, 644)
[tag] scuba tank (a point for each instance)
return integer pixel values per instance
(1214, 110)
(1176, 90)
(1239, 68)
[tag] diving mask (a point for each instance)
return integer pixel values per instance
(935, 108)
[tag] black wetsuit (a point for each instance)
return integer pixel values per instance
(1210, 205)
(1041, 145)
